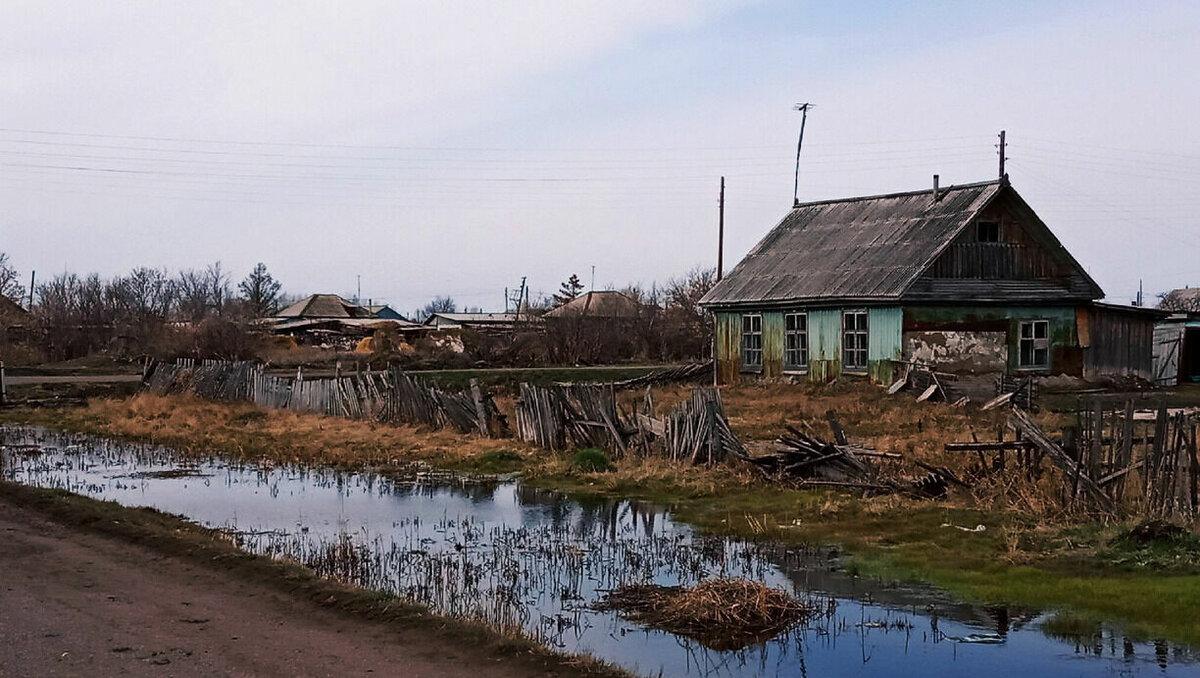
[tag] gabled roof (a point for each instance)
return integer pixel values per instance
(12, 308)
(869, 249)
(1186, 299)
(604, 304)
(324, 306)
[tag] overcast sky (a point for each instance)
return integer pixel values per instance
(452, 148)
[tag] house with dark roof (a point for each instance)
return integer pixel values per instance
(965, 278)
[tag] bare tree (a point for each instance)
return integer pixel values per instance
(438, 304)
(144, 296)
(1185, 300)
(216, 281)
(200, 294)
(10, 283)
(260, 290)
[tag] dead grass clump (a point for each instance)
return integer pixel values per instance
(723, 614)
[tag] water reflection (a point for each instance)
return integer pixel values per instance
(519, 557)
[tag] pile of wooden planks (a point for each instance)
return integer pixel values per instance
(801, 456)
(698, 432)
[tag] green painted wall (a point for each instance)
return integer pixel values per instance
(772, 327)
(729, 347)
(1065, 354)
(885, 327)
(824, 344)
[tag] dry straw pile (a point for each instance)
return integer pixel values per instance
(723, 614)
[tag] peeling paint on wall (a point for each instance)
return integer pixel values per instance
(959, 351)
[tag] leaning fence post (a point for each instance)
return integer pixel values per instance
(480, 410)
(3, 386)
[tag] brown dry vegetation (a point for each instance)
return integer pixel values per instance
(1030, 552)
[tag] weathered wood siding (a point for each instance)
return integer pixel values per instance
(824, 344)
(1116, 343)
(884, 342)
(729, 347)
(772, 338)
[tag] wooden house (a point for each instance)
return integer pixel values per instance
(330, 319)
(966, 278)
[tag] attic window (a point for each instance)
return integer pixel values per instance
(987, 231)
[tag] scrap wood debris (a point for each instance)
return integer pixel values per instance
(806, 460)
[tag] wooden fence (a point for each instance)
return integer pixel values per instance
(1119, 459)
(555, 417)
(562, 416)
(386, 396)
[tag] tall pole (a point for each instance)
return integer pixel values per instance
(721, 232)
(32, 278)
(1003, 148)
(803, 108)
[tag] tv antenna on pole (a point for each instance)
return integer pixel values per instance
(803, 108)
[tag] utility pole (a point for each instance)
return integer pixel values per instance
(358, 294)
(721, 231)
(803, 108)
(32, 278)
(1003, 148)
(593, 287)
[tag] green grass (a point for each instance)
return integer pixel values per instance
(591, 460)
(494, 462)
(921, 543)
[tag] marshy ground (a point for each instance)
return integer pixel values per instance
(1031, 552)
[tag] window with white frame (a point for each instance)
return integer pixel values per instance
(854, 340)
(752, 355)
(795, 341)
(1034, 344)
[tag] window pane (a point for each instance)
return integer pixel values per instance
(1041, 329)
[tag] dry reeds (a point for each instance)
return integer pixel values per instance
(723, 614)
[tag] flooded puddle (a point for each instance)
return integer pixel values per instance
(518, 557)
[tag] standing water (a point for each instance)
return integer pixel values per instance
(521, 558)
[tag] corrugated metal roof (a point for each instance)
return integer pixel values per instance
(858, 248)
(475, 317)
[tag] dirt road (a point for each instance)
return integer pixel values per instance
(75, 603)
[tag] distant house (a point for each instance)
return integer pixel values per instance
(328, 318)
(608, 304)
(15, 321)
(481, 322)
(965, 277)
(384, 312)
(1177, 338)
(1184, 300)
